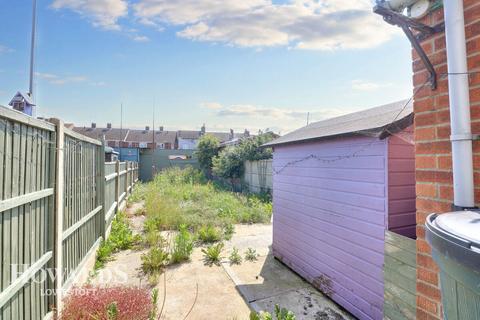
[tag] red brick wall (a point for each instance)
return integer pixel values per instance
(433, 152)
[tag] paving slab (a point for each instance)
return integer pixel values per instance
(267, 282)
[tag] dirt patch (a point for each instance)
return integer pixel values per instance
(328, 314)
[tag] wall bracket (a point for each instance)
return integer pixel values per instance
(422, 32)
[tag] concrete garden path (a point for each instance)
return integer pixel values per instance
(225, 292)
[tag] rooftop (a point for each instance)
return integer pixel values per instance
(376, 121)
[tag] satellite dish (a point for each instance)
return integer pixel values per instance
(419, 9)
(416, 9)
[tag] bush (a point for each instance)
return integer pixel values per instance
(119, 303)
(212, 254)
(182, 245)
(209, 234)
(120, 238)
(229, 163)
(207, 149)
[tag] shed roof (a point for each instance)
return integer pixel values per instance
(379, 121)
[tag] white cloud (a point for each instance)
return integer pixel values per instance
(302, 24)
(278, 119)
(4, 49)
(60, 80)
(102, 13)
(139, 38)
(362, 85)
(211, 105)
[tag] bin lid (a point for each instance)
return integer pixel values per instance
(462, 224)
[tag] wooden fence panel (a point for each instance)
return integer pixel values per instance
(399, 275)
(27, 158)
(55, 190)
(82, 203)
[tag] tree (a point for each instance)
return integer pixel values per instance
(229, 163)
(207, 149)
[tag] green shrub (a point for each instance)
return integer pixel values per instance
(212, 254)
(120, 238)
(280, 314)
(182, 245)
(154, 261)
(251, 254)
(207, 149)
(235, 257)
(209, 234)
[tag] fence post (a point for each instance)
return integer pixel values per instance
(117, 184)
(126, 180)
(101, 188)
(59, 209)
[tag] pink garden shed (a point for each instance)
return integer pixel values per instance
(338, 186)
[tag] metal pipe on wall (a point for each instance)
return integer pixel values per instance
(461, 135)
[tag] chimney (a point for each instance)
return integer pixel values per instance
(109, 126)
(246, 133)
(161, 128)
(94, 125)
(202, 130)
(231, 134)
(147, 128)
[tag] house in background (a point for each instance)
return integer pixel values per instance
(22, 102)
(112, 136)
(338, 186)
(151, 139)
(188, 139)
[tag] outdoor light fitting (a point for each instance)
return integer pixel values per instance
(409, 25)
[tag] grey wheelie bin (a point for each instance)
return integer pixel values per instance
(455, 241)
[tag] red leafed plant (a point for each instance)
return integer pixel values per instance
(113, 303)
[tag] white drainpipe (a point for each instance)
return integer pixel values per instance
(461, 137)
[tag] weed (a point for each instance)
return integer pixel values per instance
(120, 238)
(153, 239)
(235, 257)
(182, 245)
(213, 254)
(154, 261)
(154, 311)
(209, 234)
(251, 254)
(280, 314)
(228, 231)
(177, 197)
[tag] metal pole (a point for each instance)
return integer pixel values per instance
(32, 48)
(458, 87)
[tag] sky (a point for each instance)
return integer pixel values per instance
(253, 64)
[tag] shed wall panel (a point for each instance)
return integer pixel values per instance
(401, 183)
(330, 215)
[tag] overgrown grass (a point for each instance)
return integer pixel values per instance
(120, 238)
(184, 197)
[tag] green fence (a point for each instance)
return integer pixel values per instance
(54, 188)
(400, 277)
(154, 161)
